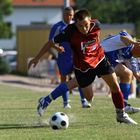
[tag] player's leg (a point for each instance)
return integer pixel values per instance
(64, 68)
(66, 71)
(105, 70)
(66, 95)
(69, 77)
(133, 88)
(117, 99)
(85, 103)
(85, 80)
(117, 96)
(57, 92)
(125, 75)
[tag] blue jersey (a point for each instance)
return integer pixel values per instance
(118, 56)
(115, 49)
(64, 60)
(113, 42)
(134, 64)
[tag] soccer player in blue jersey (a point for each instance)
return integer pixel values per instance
(117, 48)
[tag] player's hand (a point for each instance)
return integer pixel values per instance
(32, 62)
(60, 49)
(137, 43)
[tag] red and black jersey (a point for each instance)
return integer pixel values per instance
(86, 47)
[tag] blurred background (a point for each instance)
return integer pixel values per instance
(25, 26)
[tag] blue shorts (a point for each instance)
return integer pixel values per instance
(113, 56)
(126, 52)
(134, 65)
(65, 60)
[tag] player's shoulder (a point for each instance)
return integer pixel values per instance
(95, 22)
(60, 23)
(71, 27)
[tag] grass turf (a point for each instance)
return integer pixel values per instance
(19, 120)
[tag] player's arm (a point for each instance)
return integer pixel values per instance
(43, 50)
(127, 40)
(62, 37)
(135, 51)
(46, 47)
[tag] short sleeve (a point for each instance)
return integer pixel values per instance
(63, 36)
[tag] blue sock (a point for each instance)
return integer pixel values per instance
(65, 97)
(81, 95)
(58, 91)
(126, 89)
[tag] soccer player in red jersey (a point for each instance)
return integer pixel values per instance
(65, 60)
(89, 62)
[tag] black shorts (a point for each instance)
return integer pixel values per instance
(86, 78)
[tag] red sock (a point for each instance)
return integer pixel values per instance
(118, 100)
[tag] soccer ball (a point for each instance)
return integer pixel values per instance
(59, 120)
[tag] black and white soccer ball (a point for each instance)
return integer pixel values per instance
(59, 120)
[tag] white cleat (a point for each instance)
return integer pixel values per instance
(130, 109)
(85, 104)
(67, 106)
(40, 109)
(123, 117)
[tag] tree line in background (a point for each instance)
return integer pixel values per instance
(114, 11)
(107, 11)
(5, 9)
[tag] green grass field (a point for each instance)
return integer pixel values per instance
(19, 120)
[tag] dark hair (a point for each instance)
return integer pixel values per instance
(81, 14)
(68, 9)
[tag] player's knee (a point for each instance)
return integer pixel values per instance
(128, 75)
(89, 97)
